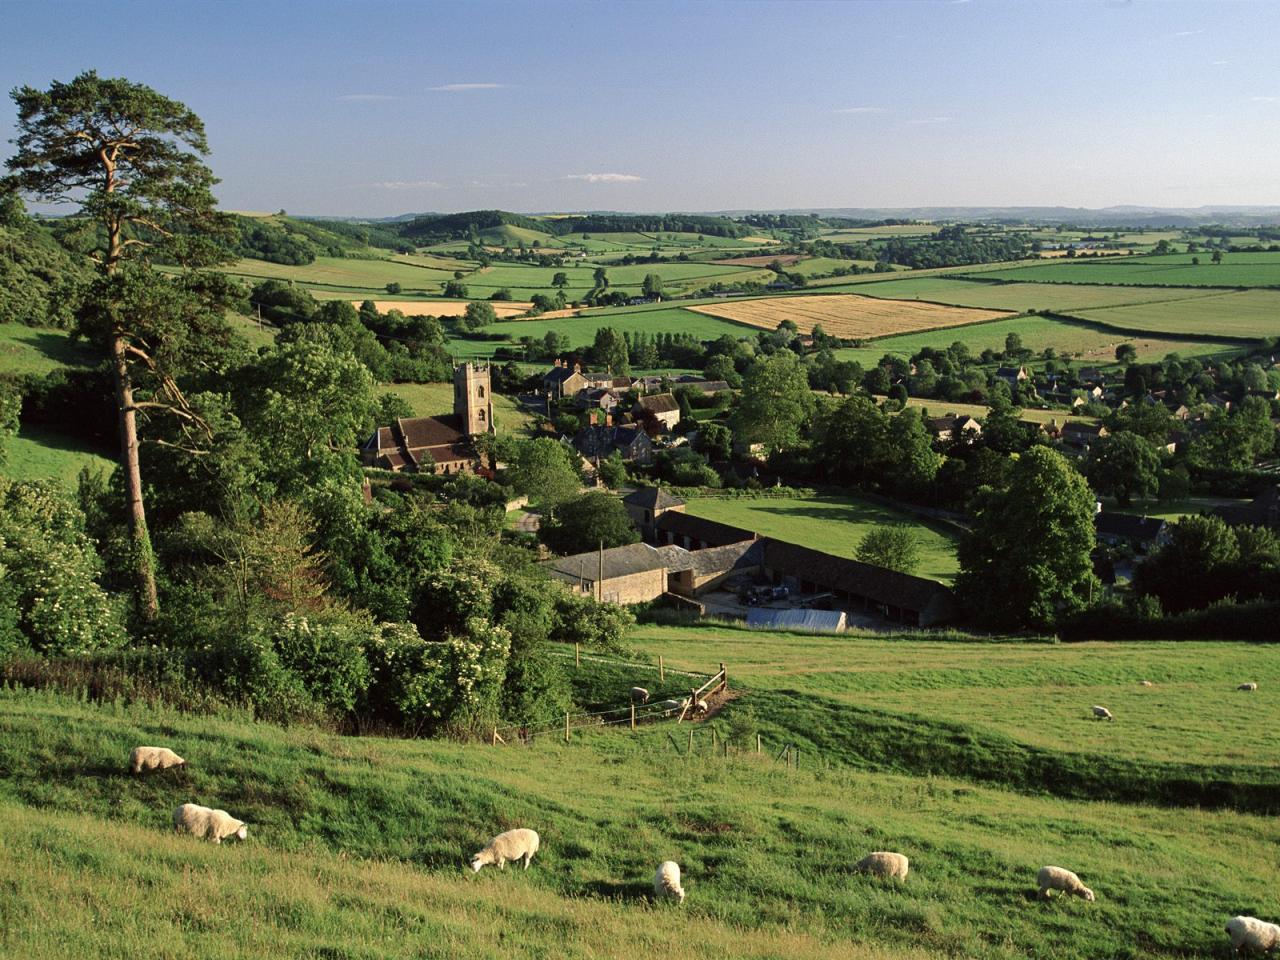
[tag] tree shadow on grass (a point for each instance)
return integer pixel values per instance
(618, 890)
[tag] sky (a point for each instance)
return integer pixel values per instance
(378, 108)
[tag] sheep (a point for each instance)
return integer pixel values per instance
(1057, 878)
(639, 695)
(667, 706)
(883, 864)
(513, 845)
(1102, 713)
(1248, 686)
(153, 758)
(701, 708)
(666, 882)
(1145, 683)
(1253, 935)
(213, 825)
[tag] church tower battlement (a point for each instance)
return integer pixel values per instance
(473, 397)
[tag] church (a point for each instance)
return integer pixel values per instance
(440, 444)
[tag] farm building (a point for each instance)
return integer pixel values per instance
(598, 398)
(599, 441)
(693, 573)
(810, 621)
(632, 574)
(1013, 375)
(1077, 433)
(647, 504)
(437, 444)
(697, 533)
(948, 428)
(1116, 528)
(1263, 511)
(896, 596)
(662, 407)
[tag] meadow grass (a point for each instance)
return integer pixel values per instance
(39, 350)
(524, 280)
(945, 408)
(346, 273)
(1237, 270)
(831, 524)
(1057, 297)
(357, 849)
(1245, 314)
(40, 454)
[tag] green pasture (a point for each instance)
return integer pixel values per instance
(1089, 343)
(1057, 297)
(38, 350)
(1172, 509)
(945, 408)
(524, 280)
(40, 454)
(833, 525)
(1246, 314)
(357, 846)
(1237, 270)
(359, 276)
(881, 232)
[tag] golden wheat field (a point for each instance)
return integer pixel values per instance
(848, 315)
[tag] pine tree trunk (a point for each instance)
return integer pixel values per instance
(143, 559)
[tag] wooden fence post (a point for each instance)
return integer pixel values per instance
(662, 672)
(675, 746)
(577, 655)
(724, 677)
(758, 743)
(633, 716)
(714, 740)
(691, 739)
(566, 727)
(495, 736)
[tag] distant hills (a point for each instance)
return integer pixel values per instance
(1129, 215)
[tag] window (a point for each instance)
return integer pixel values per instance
(482, 416)
(480, 391)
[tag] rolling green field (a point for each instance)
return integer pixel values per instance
(341, 273)
(1037, 333)
(944, 408)
(525, 280)
(1238, 270)
(1058, 297)
(832, 524)
(38, 350)
(357, 846)
(39, 454)
(582, 330)
(1246, 314)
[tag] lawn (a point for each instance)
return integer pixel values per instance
(1237, 270)
(945, 408)
(1245, 314)
(832, 524)
(40, 454)
(1170, 510)
(1068, 339)
(357, 847)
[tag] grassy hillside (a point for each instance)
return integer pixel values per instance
(357, 849)
(1237, 270)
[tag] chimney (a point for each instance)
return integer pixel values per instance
(577, 368)
(557, 361)
(594, 418)
(608, 419)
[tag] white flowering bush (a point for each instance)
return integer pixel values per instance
(326, 652)
(49, 570)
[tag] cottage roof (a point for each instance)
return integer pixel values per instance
(559, 374)
(1079, 428)
(879, 584)
(731, 556)
(652, 498)
(658, 403)
(700, 528)
(1128, 526)
(430, 431)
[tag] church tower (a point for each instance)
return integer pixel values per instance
(472, 398)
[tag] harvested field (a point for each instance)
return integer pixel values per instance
(445, 308)
(786, 259)
(848, 315)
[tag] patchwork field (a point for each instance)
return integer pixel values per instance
(1244, 314)
(1020, 297)
(1037, 333)
(346, 273)
(441, 308)
(847, 315)
(832, 524)
(523, 281)
(1238, 270)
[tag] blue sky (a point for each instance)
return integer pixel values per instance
(377, 108)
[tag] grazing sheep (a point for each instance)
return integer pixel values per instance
(1145, 683)
(1253, 935)
(668, 706)
(513, 845)
(666, 882)
(1102, 713)
(639, 695)
(214, 825)
(1248, 686)
(1057, 878)
(883, 864)
(153, 758)
(701, 707)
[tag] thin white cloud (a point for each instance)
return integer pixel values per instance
(604, 177)
(923, 120)
(366, 97)
(1265, 99)
(462, 87)
(859, 110)
(1221, 63)
(408, 185)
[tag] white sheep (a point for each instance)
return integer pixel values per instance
(668, 706)
(701, 708)
(153, 758)
(666, 882)
(519, 844)
(1253, 935)
(1058, 878)
(639, 695)
(1248, 686)
(207, 824)
(1102, 713)
(883, 864)
(1145, 683)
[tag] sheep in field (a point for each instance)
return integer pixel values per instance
(1248, 686)
(1058, 878)
(1249, 934)
(212, 825)
(668, 706)
(666, 882)
(153, 758)
(1145, 683)
(1102, 713)
(519, 844)
(639, 695)
(883, 864)
(701, 708)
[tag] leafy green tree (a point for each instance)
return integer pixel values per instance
(856, 424)
(583, 523)
(130, 162)
(479, 313)
(455, 289)
(894, 547)
(1124, 466)
(721, 367)
(912, 464)
(1026, 561)
(652, 286)
(610, 351)
(1194, 568)
(10, 409)
(544, 471)
(560, 280)
(775, 404)
(613, 471)
(393, 288)
(600, 278)
(1126, 353)
(715, 441)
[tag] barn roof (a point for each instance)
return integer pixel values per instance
(618, 562)
(652, 498)
(712, 532)
(878, 584)
(658, 403)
